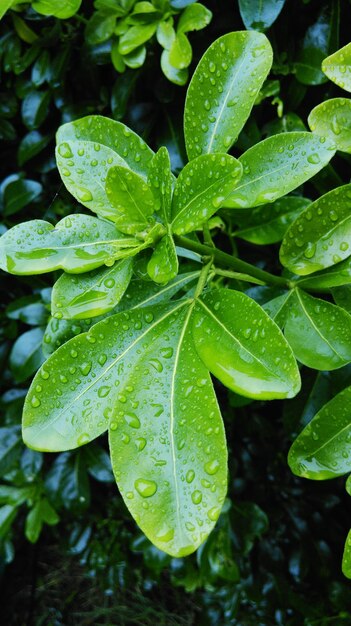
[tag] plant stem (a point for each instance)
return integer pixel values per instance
(226, 260)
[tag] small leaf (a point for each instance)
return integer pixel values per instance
(268, 224)
(277, 165)
(163, 265)
(132, 199)
(332, 119)
(35, 108)
(136, 58)
(320, 236)
(78, 243)
(260, 15)
(26, 354)
(318, 332)
(135, 37)
(174, 491)
(19, 194)
(83, 167)
(180, 52)
(115, 135)
(223, 91)
(346, 559)
(194, 17)
(160, 180)
(91, 294)
(41, 512)
(165, 34)
(63, 10)
(176, 76)
(322, 449)
(201, 188)
(243, 347)
(337, 67)
(99, 28)
(31, 145)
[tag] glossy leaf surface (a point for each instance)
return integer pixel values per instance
(163, 265)
(277, 165)
(322, 450)
(167, 444)
(268, 224)
(223, 90)
(332, 119)
(260, 15)
(160, 180)
(115, 135)
(201, 188)
(320, 237)
(337, 67)
(243, 347)
(132, 199)
(346, 559)
(92, 294)
(26, 354)
(78, 243)
(335, 276)
(318, 332)
(83, 167)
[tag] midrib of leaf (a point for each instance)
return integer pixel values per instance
(165, 289)
(208, 311)
(131, 243)
(93, 286)
(172, 392)
(107, 369)
(316, 327)
(283, 305)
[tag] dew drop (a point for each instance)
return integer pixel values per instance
(145, 488)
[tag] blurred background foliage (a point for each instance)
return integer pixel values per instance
(69, 551)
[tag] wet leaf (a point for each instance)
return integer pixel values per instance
(223, 91)
(243, 347)
(337, 67)
(201, 188)
(90, 294)
(277, 165)
(260, 15)
(163, 265)
(322, 449)
(160, 180)
(132, 199)
(318, 332)
(194, 17)
(332, 119)
(77, 243)
(320, 237)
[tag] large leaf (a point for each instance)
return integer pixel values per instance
(320, 237)
(337, 67)
(332, 119)
(167, 440)
(277, 165)
(322, 450)
(268, 224)
(78, 243)
(115, 135)
(243, 347)
(223, 91)
(318, 332)
(132, 199)
(201, 188)
(83, 167)
(73, 396)
(92, 294)
(260, 15)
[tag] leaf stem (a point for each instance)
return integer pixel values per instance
(226, 260)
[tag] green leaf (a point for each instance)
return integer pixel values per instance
(19, 194)
(78, 243)
(223, 91)
(163, 265)
(342, 297)
(319, 332)
(28, 309)
(136, 58)
(10, 448)
(194, 17)
(201, 188)
(83, 167)
(135, 37)
(322, 449)
(32, 144)
(139, 294)
(178, 77)
(258, 15)
(26, 354)
(278, 309)
(35, 108)
(277, 165)
(173, 489)
(63, 10)
(337, 67)
(99, 28)
(180, 52)
(41, 512)
(336, 276)
(320, 236)
(112, 134)
(165, 34)
(318, 42)
(98, 463)
(332, 119)
(268, 224)
(160, 180)
(132, 199)
(91, 294)
(68, 484)
(68, 407)
(243, 347)
(7, 516)
(346, 559)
